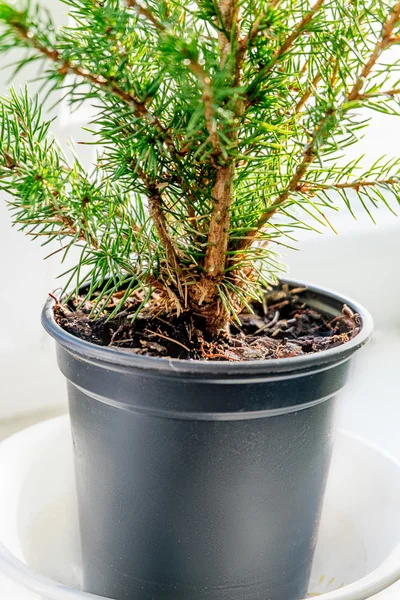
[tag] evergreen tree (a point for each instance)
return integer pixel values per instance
(220, 122)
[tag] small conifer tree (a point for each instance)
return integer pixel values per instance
(220, 123)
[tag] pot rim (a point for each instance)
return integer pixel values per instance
(315, 361)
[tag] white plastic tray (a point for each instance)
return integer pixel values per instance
(358, 552)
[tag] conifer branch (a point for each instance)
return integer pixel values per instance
(304, 68)
(209, 112)
(195, 68)
(256, 26)
(138, 107)
(313, 85)
(228, 10)
(146, 13)
(387, 93)
(255, 29)
(291, 39)
(382, 44)
(308, 158)
(67, 224)
(158, 216)
(12, 169)
(298, 30)
(308, 93)
(310, 187)
(310, 154)
(65, 67)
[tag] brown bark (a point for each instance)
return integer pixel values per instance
(353, 185)
(209, 113)
(204, 296)
(214, 264)
(228, 11)
(158, 216)
(206, 303)
(372, 95)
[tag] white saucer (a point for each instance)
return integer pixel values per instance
(358, 551)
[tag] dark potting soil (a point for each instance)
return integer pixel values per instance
(282, 327)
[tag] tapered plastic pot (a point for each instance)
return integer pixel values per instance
(202, 480)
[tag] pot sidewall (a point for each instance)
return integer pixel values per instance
(200, 482)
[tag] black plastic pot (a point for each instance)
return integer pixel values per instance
(202, 480)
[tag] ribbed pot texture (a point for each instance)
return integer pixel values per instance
(202, 480)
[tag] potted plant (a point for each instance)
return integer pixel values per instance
(202, 405)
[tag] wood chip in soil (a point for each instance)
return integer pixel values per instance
(282, 327)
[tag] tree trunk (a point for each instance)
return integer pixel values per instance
(214, 263)
(205, 299)
(206, 303)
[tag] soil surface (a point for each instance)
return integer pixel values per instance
(281, 327)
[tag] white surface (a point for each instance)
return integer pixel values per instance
(358, 549)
